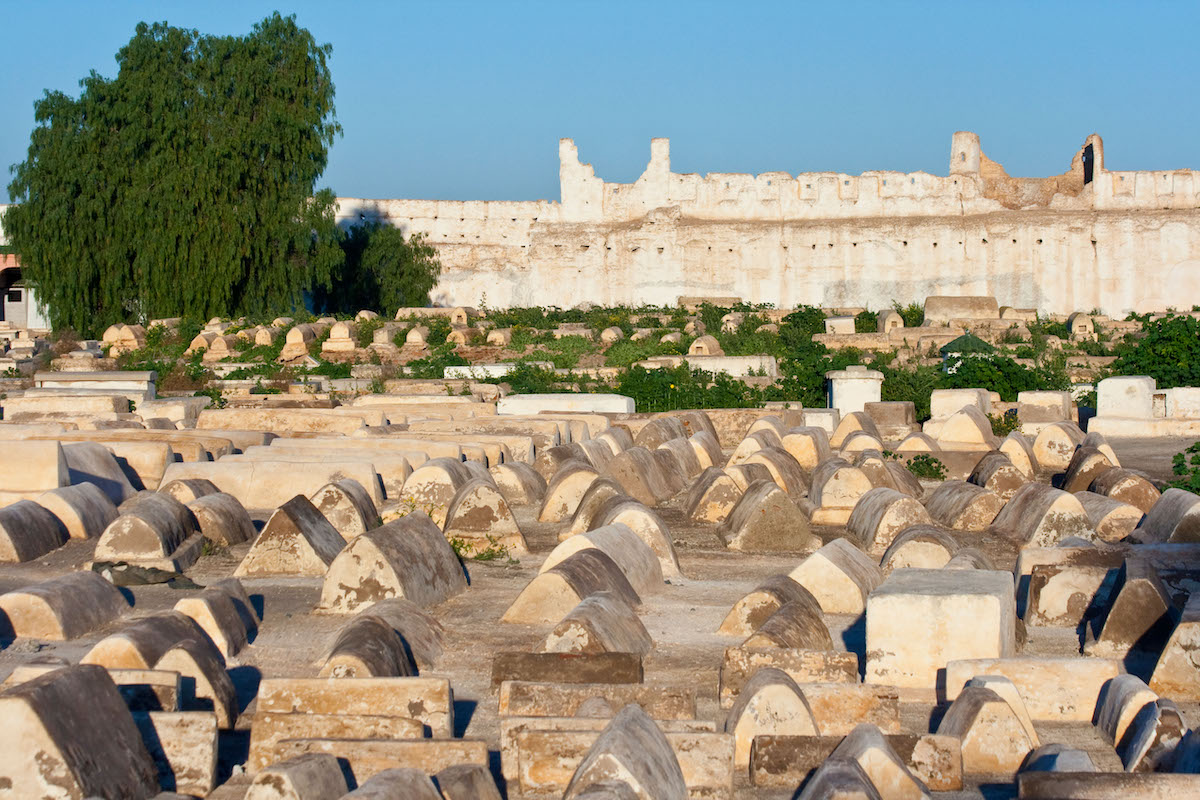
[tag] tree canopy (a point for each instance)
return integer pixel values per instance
(185, 185)
(1168, 350)
(382, 270)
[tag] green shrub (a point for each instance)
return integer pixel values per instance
(1048, 328)
(625, 353)
(1168, 351)
(433, 366)
(680, 387)
(529, 379)
(866, 322)
(366, 331)
(927, 467)
(334, 370)
(801, 325)
(1004, 425)
(439, 329)
(566, 352)
(912, 314)
(915, 384)
(214, 393)
(747, 340)
(1187, 466)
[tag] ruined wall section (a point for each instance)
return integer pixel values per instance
(1125, 241)
(481, 222)
(770, 196)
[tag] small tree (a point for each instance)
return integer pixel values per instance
(382, 271)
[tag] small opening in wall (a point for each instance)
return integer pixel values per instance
(935, 244)
(905, 243)
(731, 249)
(854, 244)
(660, 250)
(885, 181)
(814, 247)
(984, 241)
(514, 219)
(845, 183)
(962, 156)
(768, 183)
(634, 249)
(809, 185)
(557, 246)
(912, 180)
(727, 185)
(1014, 241)
(460, 219)
(584, 246)
(831, 244)
(710, 249)
(1039, 241)
(608, 248)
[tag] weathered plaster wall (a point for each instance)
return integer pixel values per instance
(1123, 241)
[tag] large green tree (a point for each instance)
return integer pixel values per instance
(185, 185)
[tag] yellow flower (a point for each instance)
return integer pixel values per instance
(672, 386)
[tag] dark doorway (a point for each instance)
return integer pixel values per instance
(1089, 160)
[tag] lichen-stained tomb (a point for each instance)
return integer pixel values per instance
(435, 589)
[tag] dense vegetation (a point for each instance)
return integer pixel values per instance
(186, 187)
(1167, 348)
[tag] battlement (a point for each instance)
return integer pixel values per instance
(974, 185)
(1087, 237)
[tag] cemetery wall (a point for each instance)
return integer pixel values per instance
(1088, 238)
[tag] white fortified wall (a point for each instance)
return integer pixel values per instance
(1089, 238)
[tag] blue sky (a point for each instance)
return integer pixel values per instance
(467, 100)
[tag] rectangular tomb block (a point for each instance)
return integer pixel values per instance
(430, 701)
(920, 619)
(566, 667)
(510, 727)
(368, 757)
(1125, 397)
(571, 403)
(183, 745)
(838, 707)
(527, 699)
(546, 760)
(270, 728)
(1062, 595)
(1054, 689)
(1105, 786)
(804, 666)
(788, 760)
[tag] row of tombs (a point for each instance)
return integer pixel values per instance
(298, 602)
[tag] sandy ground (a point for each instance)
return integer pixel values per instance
(682, 620)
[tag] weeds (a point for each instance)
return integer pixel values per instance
(927, 467)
